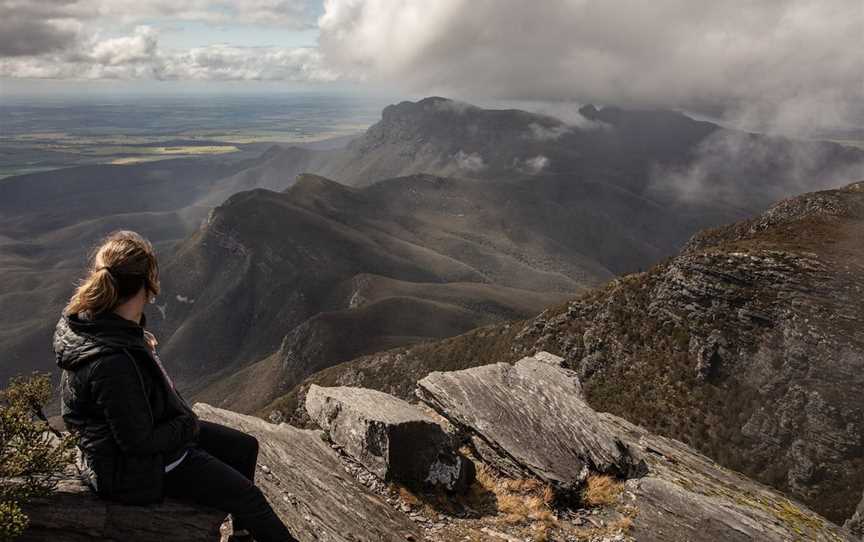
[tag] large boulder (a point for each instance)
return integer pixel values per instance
(392, 438)
(529, 419)
(309, 488)
(73, 513)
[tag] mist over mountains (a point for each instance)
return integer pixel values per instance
(747, 345)
(449, 235)
(512, 190)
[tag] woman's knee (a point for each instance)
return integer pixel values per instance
(250, 443)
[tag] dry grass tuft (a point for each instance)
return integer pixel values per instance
(520, 501)
(601, 490)
(408, 497)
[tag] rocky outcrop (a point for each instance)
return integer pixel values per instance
(748, 346)
(855, 524)
(303, 477)
(73, 513)
(686, 496)
(529, 419)
(307, 485)
(393, 439)
(534, 420)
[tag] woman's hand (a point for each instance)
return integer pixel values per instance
(151, 340)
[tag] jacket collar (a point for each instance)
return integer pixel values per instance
(78, 340)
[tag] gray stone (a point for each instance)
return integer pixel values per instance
(549, 358)
(686, 496)
(309, 487)
(392, 438)
(529, 419)
(73, 513)
(855, 524)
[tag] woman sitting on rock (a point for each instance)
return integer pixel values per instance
(140, 440)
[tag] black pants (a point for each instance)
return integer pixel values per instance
(219, 473)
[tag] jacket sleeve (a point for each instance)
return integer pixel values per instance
(117, 387)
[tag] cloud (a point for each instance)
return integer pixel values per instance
(63, 39)
(453, 106)
(792, 65)
(532, 166)
(548, 133)
(220, 62)
(726, 162)
(138, 56)
(471, 162)
(788, 65)
(28, 28)
(289, 14)
(139, 47)
(537, 164)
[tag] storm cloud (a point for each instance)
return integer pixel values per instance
(792, 66)
(33, 28)
(785, 65)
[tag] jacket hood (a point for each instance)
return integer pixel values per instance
(78, 340)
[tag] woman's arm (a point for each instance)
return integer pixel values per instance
(118, 389)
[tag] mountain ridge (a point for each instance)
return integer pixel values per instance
(757, 313)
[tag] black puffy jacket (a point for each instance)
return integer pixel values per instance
(130, 420)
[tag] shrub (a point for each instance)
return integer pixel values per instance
(32, 455)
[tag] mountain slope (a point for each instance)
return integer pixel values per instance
(266, 263)
(49, 220)
(749, 346)
(263, 270)
(640, 183)
(661, 155)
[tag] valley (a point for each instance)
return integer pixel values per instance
(644, 247)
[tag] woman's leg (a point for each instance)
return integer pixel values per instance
(204, 479)
(235, 448)
(232, 447)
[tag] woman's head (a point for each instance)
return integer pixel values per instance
(121, 265)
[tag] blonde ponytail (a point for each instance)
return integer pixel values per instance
(120, 265)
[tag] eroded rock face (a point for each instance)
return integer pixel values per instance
(686, 496)
(529, 419)
(392, 438)
(308, 487)
(855, 524)
(75, 514)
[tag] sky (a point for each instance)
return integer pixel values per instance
(794, 66)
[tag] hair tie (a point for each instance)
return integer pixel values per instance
(108, 267)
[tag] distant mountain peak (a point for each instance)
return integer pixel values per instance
(310, 181)
(632, 118)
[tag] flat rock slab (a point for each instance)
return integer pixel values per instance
(529, 419)
(686, 496)
(309, 488)
(392, 438)
(75, 514)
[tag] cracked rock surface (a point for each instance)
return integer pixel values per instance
(308, 487)
(393, 439)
